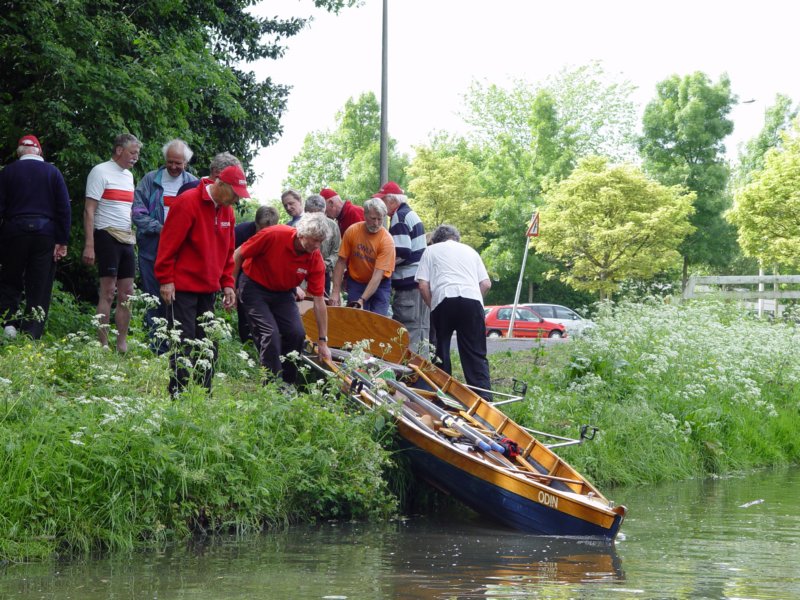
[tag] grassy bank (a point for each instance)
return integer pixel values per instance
(677, 391)
(94, 455)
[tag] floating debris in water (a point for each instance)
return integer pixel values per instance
(753, 503)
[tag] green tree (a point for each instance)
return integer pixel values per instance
(525, 136)
(517, 139)
(531, 132)
(79, 72)
(517, 148)
(609, 224)
(682, 144)
(596, 112)
(446, 190)
(320, 163)
(347, 158)
(777, 119)
(767, 210)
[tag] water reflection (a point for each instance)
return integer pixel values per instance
(415, 559)
(480, 562)
(705, 539)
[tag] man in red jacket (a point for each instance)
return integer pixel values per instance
(194, 262)
(344, 212)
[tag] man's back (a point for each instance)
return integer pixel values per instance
(36, 189)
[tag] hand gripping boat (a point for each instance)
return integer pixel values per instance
(459, 442)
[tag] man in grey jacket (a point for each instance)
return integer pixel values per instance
(151, 203)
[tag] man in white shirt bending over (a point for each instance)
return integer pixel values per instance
(453, 281)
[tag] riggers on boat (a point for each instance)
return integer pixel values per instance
(459, 442)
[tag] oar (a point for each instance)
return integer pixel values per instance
(382, 396)
(484, 443)
(474, 437)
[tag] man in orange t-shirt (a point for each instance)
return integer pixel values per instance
(367, 254)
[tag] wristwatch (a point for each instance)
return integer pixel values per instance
(323, 338)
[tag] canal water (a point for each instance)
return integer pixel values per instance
(736, 537)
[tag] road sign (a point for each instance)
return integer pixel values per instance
(533, 228)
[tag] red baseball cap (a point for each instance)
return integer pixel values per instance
(390, 187)
(327, 193)
(30, 140)
(234, 177)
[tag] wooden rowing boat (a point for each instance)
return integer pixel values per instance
(457, 440)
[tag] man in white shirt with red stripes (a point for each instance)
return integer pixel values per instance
(109, 236)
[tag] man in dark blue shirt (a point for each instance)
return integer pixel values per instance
(35, 217)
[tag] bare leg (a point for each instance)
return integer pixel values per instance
(122, 315)
(108, 288)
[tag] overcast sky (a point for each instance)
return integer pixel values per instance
(437, 47)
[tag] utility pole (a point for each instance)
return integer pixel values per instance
(385, 97)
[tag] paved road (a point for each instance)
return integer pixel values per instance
(514, 344)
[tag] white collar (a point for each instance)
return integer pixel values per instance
(208, 190)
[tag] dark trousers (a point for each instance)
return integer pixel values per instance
(27, 266)
(241, 318)
(274, 324)
(151, 286)
(378, 303)
(186, 310)
(464, 317)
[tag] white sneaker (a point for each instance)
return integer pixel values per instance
(10, 331)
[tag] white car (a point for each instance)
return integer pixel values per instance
(572, 321)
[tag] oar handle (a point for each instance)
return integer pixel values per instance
(448, 419)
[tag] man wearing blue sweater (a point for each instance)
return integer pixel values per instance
(151, 203)
(35, 217)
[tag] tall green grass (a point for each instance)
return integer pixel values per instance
(678, 391)
(94, 454)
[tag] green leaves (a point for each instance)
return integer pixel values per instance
(347, 158)
(612, 223)
(682, 144)
(446, 189)
(78, 73)
(767, 210)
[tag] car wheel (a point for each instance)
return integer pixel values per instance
(555, 334)
(494, 334)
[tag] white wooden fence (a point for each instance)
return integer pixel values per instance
(747, 288)
(719, 286)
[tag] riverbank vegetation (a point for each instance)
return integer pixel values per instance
(94, 455)
(677, 391)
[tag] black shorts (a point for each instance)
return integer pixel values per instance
(114, 259)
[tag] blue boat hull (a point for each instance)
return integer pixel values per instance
(502, 505)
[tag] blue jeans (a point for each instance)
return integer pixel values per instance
(378, 303)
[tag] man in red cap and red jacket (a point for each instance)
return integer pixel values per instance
(194, 262)
(344, 212)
